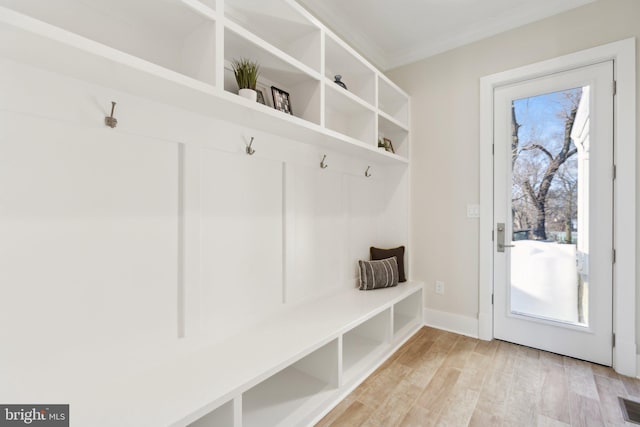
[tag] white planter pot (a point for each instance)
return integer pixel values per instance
(250, 94)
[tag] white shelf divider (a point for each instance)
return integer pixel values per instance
(393, 121)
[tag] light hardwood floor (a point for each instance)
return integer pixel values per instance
(443, 379)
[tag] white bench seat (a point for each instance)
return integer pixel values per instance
(235, 370)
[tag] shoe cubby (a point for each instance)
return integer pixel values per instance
(295, 393)
(219, 417)
(364, 343)
(407, 314)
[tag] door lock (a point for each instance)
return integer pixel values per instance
(500, 238)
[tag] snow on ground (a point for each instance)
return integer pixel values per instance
(544, 280)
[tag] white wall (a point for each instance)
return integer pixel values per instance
(113, 242)
(445, 138)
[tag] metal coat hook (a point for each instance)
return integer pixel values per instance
(323, 165)
(367, 173)
(110, 120)
(250, 150)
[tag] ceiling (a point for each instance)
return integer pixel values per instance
(393, 33)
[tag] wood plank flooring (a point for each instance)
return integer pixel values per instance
(443, 379)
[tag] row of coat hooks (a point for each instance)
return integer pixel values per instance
(112, 122)
(323, 163)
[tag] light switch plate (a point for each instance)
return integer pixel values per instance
(473, 211)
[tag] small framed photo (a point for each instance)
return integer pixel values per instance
(388, 145)
(261, 97)
(281, 100)
(262, 91)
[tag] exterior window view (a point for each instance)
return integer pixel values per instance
(550, 171)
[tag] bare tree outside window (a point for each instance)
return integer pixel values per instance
(544, 166)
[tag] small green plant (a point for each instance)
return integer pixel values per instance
(246, 73)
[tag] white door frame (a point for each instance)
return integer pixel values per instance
(623, 53)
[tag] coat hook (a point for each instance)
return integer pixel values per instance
(367, 173)
(250, 151)
(323, 165)
(111, 121)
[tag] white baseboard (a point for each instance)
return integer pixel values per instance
(638, 366)
(451, 322)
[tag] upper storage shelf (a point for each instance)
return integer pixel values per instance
(178, 52)
(358, 76)
(393, 102)
(166, 32)
(282, 24)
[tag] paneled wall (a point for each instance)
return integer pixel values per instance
(121, 248)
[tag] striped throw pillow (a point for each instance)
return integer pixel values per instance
(378, 274)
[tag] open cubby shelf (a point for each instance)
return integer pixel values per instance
(174, 52)
(364, 343)
(406, 314)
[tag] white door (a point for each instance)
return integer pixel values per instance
(553, 213)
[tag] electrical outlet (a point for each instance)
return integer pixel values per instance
(439, 287)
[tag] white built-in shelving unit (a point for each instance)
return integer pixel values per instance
(178, 52)
(290, 369)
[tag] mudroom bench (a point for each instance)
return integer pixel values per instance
(290, 370)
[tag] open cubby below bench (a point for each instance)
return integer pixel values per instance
(290, 369)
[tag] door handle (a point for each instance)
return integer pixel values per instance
(500, 238)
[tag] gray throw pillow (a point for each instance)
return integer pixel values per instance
(378, 274)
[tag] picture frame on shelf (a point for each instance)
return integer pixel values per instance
(388, 145)
(261, 88)
(281, 101)
(260, 98)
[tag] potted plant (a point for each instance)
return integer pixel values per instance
(246, 73)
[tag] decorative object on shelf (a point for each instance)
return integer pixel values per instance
(268, 101)
(339, 82)
(397, 253)
(388, 145)
(260, 97)
(250, 150)
(281, 100)
(246, 72)
(381, 145)
(323, 165)
(378, 274)
(367, 173)
(110, 120)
